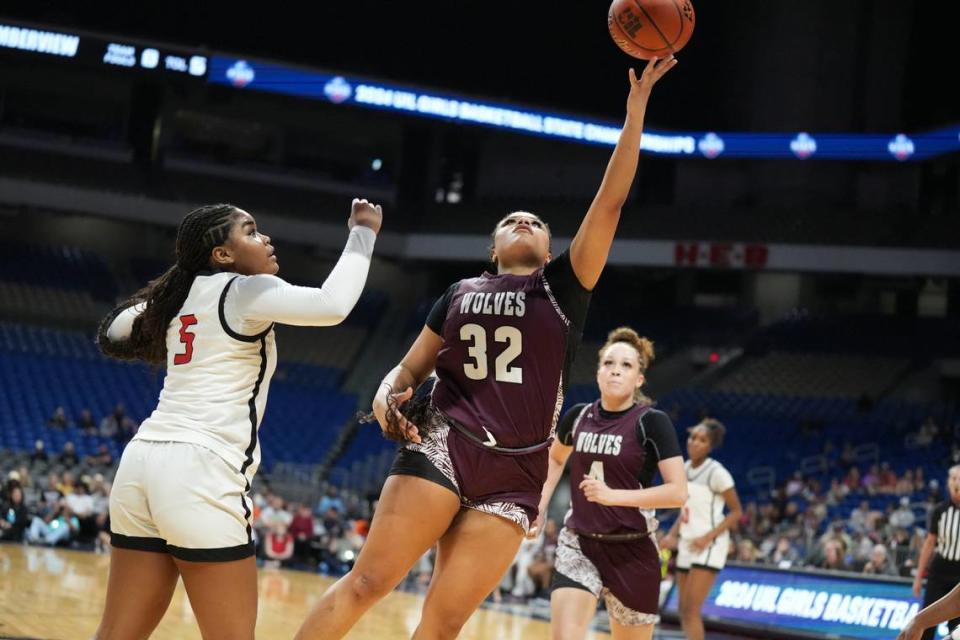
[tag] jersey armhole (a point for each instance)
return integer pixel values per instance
(226, 327)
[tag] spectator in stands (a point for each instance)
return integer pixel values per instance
(51, 493)
(861, 547)
(274, 514)
(39, 452)
(871, 481)
(59, 419)
(888, 479)
(795, 485)
(330, 500)
(784, 554)
(86, 424)
(69, 458)
(852, 480)
(118, 425)
(748, 519)
(833, 556)
(905, 484)
(302, 530)
(278, 546)
(903, 517)
(55, 524)
(14, 516)
(934, 492)
(919, 481)
(858, 517)
(879, 563)
(81, 505)
(100, 491)
(838, 492)
(67, 483)
(747, 551)
(17, 479)
(900, 552)
(103, 457)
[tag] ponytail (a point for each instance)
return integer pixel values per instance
(200, 231)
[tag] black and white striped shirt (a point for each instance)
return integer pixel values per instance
(945, 524)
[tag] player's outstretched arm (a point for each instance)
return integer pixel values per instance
(591, 245)
(266, 298)
(946, 608)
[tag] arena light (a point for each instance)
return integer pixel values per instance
(441, 105)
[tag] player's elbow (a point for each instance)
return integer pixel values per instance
(679, 494)
(338, 310)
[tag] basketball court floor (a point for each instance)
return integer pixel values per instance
(55, 594)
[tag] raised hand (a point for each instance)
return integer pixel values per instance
(365, 214)
(641, 87)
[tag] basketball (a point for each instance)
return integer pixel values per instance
(648, 28)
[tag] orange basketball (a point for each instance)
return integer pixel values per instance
(648, 28)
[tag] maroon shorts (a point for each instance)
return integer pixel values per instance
(505, 486)
(626, 574)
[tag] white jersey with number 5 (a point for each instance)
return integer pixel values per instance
(221, 352)
(219, 367)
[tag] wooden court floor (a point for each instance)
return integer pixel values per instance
(54, 594)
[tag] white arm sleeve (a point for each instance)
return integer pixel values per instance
(264, 298)
(122, 326)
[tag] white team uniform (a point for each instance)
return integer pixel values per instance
(701, 513)
(182, 483)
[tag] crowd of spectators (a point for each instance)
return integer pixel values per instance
(866, 518)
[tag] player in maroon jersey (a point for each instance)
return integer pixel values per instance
(472, 470)
(615, 446)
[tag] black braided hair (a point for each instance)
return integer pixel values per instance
(199, 232)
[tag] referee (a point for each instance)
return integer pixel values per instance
(943, 543)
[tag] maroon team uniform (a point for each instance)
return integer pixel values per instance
(508, 341)
(610, 551)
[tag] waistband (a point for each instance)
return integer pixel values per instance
(613, 537)
(490, 444)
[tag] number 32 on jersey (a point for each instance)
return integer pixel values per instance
(479, 368)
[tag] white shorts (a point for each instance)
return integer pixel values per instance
(182, 499)
(714, 557)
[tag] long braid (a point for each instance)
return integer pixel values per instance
(200, 231)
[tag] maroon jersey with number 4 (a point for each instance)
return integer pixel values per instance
(508, 341)
(621, 448)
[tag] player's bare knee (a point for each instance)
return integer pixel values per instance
(369, 586)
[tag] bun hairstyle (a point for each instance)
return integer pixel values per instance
(643, 346)
(716, 431)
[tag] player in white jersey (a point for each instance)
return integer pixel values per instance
(704, 538)
(179, 505)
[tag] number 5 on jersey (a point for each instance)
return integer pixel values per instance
(503, 372)
(186, 338)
